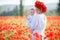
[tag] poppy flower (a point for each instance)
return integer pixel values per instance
(41, 6)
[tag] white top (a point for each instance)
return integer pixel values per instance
(38, 23)
(29, 17)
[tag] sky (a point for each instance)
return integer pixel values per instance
(30, 2)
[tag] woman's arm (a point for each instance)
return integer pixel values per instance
(42, 23)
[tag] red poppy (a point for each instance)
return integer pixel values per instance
(41, 6)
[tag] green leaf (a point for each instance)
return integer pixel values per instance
(12, 34)
(7, 36)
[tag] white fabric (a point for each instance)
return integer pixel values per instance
(38, 23)
(29, 17)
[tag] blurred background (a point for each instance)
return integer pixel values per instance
(22, 7)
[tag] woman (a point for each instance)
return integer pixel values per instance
(38, 22)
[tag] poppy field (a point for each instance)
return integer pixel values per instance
(52, 30)
(14, 28)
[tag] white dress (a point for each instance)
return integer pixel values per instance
(38, 23)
